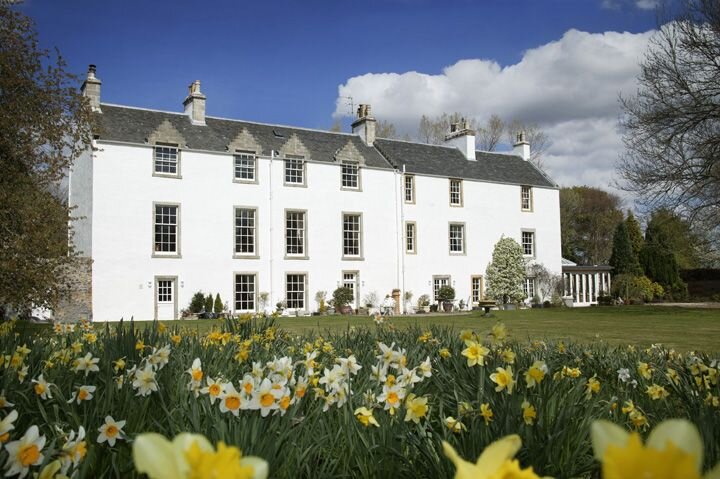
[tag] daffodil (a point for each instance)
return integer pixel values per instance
(674, 449)
(42, 387)
(592, 387)
(6, 425)
(486, 413)
(74, 450)
(214, 389)
(416, 408)
(25, 452)
(365, 417)
(191, 456)
(111, 431)
(657, 392)
(475, 353)
(119, 365)
(454, 424)
(230, 400)
(144, 381)
(529, 413)
(495, 462)
(83, 393)
(536, 373)
(503, 377)
(499, 333)
(645, 370)
(87, 364)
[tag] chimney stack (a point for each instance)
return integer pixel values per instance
(521, 147)
(462, 137)
(365, 125)
(195, 104)
(91, 89)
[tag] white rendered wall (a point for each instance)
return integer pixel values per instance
(489, 211)
(124, 269)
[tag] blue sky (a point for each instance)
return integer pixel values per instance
(283, 61)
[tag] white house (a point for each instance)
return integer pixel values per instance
(173, 203)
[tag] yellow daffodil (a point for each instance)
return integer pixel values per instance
(444, 353)
(365, 417)
(672, 375)
(486, 413)
(529, 413)
(657, 392)
(673, 450)
(645, 370)
(592, 387)
(454, 424)
(475, 353)
(504, 379)
(536, 373)
(416, 408)
(508, 356)
(499, 333)
(495, 462)
(191, 456)
(175, 338)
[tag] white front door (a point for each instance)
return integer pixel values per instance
(350, 281)
(165, 299)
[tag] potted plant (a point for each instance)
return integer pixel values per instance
(342, 297)
(446, 294)
(424, 303)
(321, 299)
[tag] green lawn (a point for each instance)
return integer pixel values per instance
(683, 328)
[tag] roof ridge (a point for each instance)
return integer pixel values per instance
(418, 143)
(233, 119)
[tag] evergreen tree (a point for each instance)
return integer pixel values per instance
(634, 232)
(623, 259)
(506, 272)
(218, 306)
(209, 303)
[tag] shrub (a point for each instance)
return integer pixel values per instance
(197, 303)
(446, 293)
(320, 299)
(423, 301)
(218, 305)
(506, 272)
(342, 297)
(637, 288)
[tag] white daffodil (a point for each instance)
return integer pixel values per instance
(42, 387)
(87, 363)
(6, 425)
(4, 402)
(214, 389)
(74, 450)
(160, 357)
(230, 400)
(83, 393)
(265, 398)
(25, 452)
(111, 431)
(144, 381)
(192, 455)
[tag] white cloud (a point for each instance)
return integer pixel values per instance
(641, 4)
(570, 87)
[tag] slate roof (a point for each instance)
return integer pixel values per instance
(420, 158)
(134, 125)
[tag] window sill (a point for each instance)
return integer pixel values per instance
(352, 258)
(456, 206)
(246, 256)
(526, 211)
(167, 175)
(245, 182)
(457, 253)
(346, 188)
(295, 185)
(296, 257)
(158, 255)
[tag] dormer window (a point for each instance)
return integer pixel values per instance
(166, 160)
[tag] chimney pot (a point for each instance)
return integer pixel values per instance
(462, 138)
(521, 146)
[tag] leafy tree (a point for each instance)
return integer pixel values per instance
(218, 305)
(342, 296)
(672, 233)
(588, 218)
(623, 259)
(197, 303)
(490, 134)
(44, 126)
(209, 303)
(446, 293)
(672, 146)
(538, 139)
(506, 272)
(634, 232)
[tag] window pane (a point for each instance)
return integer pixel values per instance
(294, 171)
(245, 231)
(351, 235)
(164, 291)
(245, 167)
(245, 292)
(410, 237)
(455, 192)
(409, 188)
(165, 229)
(295, 233)
(350, 175)
(528, 240)
(166, 160)
(295, 291)
(456, 238)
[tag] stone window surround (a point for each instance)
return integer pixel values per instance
(255, 179)
(306, 242)
(414, 237)
(534, 242)
(157, 279)
(305, 289)
(481, 284)
(412, 189)
(361, 256)
(459, 182)
(303, 171)
(234, 289)
(464, 238)
(255, 255)
(177, 253)
(178, 153)
(342, 176)
(530, 199)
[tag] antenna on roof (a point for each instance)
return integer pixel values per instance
(350, 103)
